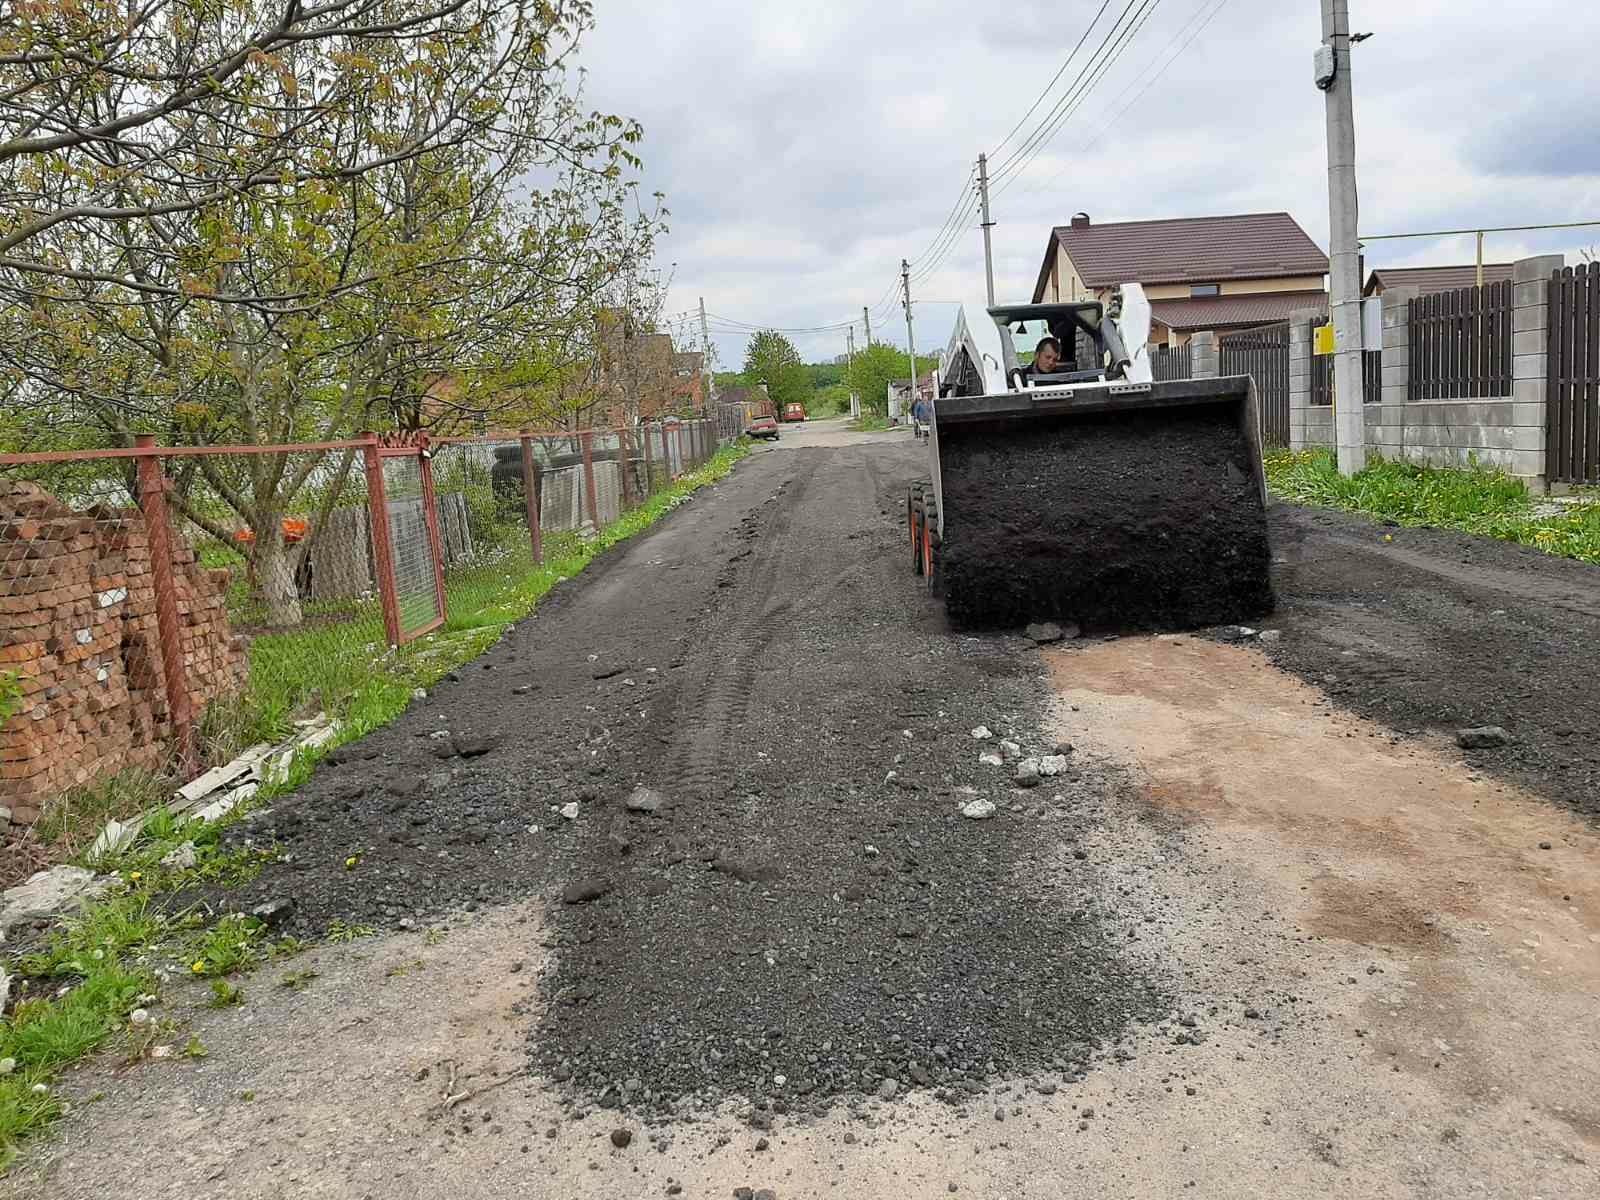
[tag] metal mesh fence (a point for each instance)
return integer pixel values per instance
(162, 605)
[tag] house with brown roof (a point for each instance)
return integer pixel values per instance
(1434, 279)
(1218, 273)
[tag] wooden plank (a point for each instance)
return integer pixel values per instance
(1435, 346)
(1554, 442)
(1592, 383)
(1483, 383)
(1579, 369)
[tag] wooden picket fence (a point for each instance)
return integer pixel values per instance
(1572, 433)
(1461, 343)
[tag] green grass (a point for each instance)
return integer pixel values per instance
(232, 944)
(1474, 499)
(348, 670)
(870, 422)
(44, 1034)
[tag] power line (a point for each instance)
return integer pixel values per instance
(1053, 79)
(1008, 164)
(1071, 104)
(1152, 81)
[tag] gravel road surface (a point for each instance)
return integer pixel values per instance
(1255, 938)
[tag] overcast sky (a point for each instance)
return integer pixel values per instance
(806, 148)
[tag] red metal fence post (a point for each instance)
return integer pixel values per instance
(153, 503)
(382, 551)
(530, 493)
(430, 516)
(588, 479)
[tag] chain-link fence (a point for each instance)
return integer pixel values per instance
(170, 606)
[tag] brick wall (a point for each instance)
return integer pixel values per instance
(78, 627)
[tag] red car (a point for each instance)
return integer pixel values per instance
(763, 427)
(794, 412)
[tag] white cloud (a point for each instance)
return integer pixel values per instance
(805, 150)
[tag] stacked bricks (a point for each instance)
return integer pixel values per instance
(78, 628)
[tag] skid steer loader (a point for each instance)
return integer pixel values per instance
(1088, 493)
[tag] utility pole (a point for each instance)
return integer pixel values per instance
(1333, 77)
(850, 349)
(988, 248)
(709, 382)
(911, 341)
(866, 318)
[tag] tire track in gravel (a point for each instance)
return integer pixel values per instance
(710, 708)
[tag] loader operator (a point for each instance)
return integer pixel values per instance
(1046, 357)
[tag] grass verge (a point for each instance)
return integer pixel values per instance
(85, 987)
(870, 422)
(1474, 499)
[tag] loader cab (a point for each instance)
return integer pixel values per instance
(1077, 328)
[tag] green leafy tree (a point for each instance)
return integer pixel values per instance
(874, 369)
(456, 221)
(772, 359)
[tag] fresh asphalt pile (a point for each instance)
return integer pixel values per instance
(1145, 519)
(735, 757)
(1430, 631)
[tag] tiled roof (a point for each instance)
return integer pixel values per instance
(1186, 250)
(1232, 312)
(1436, 279)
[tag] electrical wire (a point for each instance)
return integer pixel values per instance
(998, 170)
(1150, 83)
(1071, 103)
(1060, 71)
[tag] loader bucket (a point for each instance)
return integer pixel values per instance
(1111, 506)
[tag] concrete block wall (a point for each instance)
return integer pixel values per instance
(1310, 425)
(1504, 431)
(1493, 431)
(1204, 357)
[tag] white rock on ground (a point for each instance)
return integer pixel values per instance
(570, 811)
(180, 857)
(982, 733)
(1009, 747)
(47, 893)
(978, 810)
(1028, 773)
(991, 760)
(1052, 764)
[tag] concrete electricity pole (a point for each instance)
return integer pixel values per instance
(708, 380)
(988, 248)
(911, 341)
(1333, 77)
(866, 318)
(850, 349)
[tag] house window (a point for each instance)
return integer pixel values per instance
(1204, 289)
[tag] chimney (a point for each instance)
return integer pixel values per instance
(1080, 220)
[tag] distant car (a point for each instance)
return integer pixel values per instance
(794, 412)
(763, 427)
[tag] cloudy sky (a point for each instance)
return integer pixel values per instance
(806, 148)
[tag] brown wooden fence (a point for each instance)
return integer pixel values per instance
(1171, 362)
(1572, 435)
(1263, 354)
(1461, 343)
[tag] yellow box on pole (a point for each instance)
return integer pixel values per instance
(1322, 339)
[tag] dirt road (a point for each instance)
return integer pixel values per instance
(1248, 943)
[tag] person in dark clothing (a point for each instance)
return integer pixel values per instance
(1046, 358)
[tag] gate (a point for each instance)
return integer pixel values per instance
(1170, 362)
(1572, 432)
(1263, 354)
